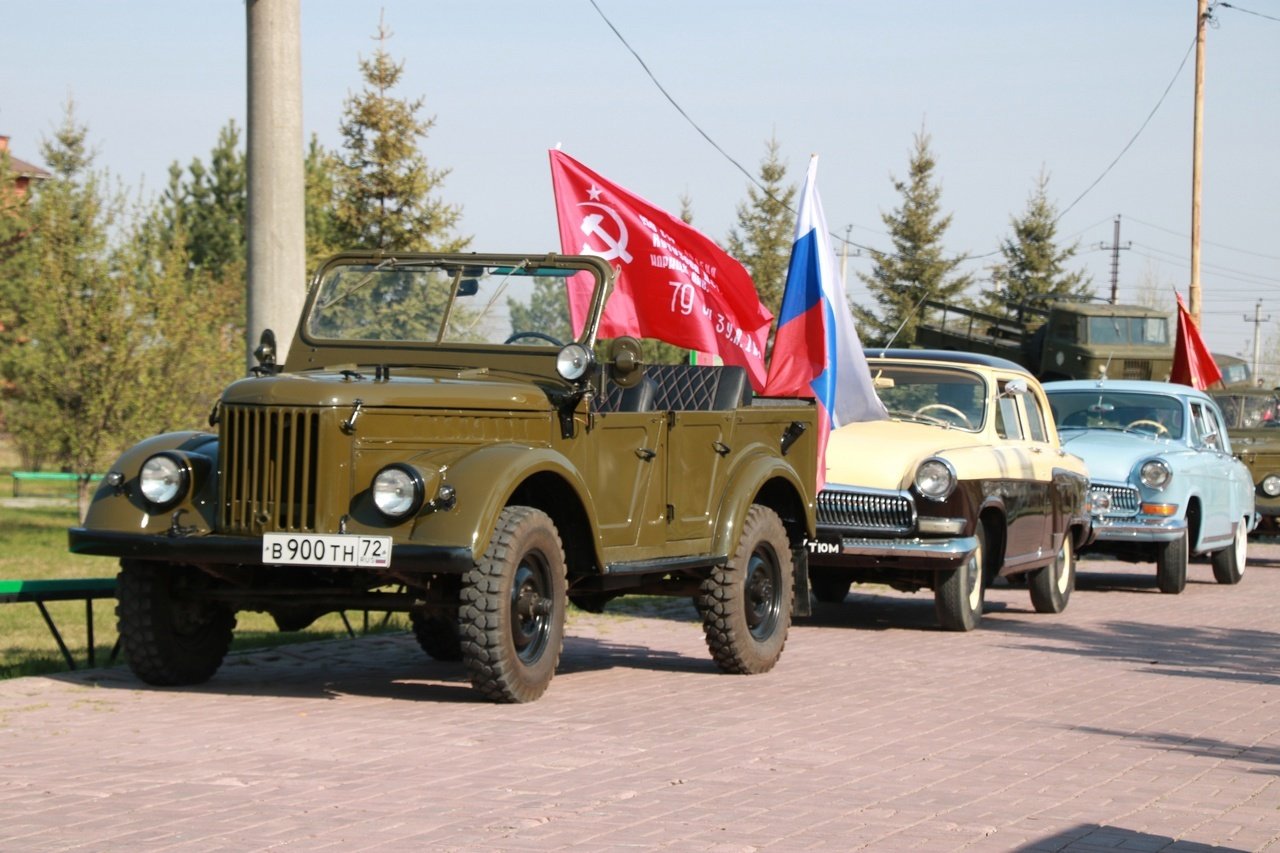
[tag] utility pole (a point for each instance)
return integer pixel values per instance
(1257, 321)
(1115, 248)
(844, 256)
(277, 257)
(1197, 157)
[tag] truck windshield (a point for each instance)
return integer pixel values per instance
(436, 302)
(1153, 331)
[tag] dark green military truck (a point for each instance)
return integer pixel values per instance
(1058, 339)
(438, 444)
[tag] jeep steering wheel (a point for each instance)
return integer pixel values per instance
(950, 410)
(515, 336)
(1160, 429)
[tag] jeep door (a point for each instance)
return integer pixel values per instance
(699, 447)
(626, 453)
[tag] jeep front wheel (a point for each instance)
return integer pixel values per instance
(746, 604)
(513, 605)
(169, 635)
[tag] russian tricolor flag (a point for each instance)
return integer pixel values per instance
(816, 351)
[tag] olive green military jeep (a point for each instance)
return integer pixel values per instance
(439, 444)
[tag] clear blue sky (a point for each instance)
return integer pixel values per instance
(1003, 88)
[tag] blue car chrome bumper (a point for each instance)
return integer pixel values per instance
(1139, 528)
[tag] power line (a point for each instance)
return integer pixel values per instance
(1247, 11)
(1206, 242)
(1134, 139)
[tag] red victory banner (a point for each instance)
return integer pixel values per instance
(674, 283)
(1193, 364)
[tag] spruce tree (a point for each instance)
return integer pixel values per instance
(386, 191)
(917, 267)
(1034, 267)
(762, 239)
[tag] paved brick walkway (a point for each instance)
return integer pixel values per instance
(1133, 721)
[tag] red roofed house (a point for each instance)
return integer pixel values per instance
(23, 172)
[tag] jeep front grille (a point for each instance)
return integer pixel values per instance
(871, 512)
(1124, 499)
(269, 469)
(1136, 368)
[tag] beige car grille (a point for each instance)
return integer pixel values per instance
(873, 512)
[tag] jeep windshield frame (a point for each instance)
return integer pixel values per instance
(509, 312)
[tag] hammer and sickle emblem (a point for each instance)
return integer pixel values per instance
(614, 248)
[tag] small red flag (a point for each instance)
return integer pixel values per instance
(674, 283)
(1193, 364)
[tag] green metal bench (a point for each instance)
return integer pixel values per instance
(47, 477)
(63, 589)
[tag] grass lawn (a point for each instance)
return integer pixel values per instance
(33, 546)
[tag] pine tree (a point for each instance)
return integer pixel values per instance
(320, 170)
(385, 188)
(762, 239)
(916, 267)
(116, 337)
(1035, 267)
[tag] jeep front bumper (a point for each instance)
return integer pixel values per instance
(213, 549)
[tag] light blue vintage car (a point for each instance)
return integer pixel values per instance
(1163, 482)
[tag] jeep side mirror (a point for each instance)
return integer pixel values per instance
(266, 354)
(626, 362)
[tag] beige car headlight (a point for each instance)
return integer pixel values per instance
(935, 478)
(1271, 485)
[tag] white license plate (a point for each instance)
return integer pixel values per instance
(297, 549)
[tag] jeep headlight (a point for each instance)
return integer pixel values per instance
(935, 479)
(1155, 474)
(573, 361)
(1271, 485)
(164, 480)
(397, 491)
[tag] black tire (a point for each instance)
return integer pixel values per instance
(1171, 565)
(959, 592)
(170, 636)
(829, 587)
(1051, 586)
(1229, 563)
(746, 604)
(437, 635)
(513, 607)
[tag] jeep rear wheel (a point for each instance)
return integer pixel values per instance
(437, 635)
(958, 593)
(746, 604)
(1171, 565)
(830, 586)
(169, 635)
(513, 605)
(1051, 586)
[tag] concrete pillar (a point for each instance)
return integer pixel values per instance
(276, 217)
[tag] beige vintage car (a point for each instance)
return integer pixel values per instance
(965, 482)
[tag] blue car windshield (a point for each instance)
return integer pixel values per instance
(1092, 409)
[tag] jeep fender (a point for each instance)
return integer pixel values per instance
(764, 477)
(484, 480)
(123, 509)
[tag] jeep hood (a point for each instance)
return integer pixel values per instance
(878, 454)
(441, 390)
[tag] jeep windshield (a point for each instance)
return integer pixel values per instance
(434, 301)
